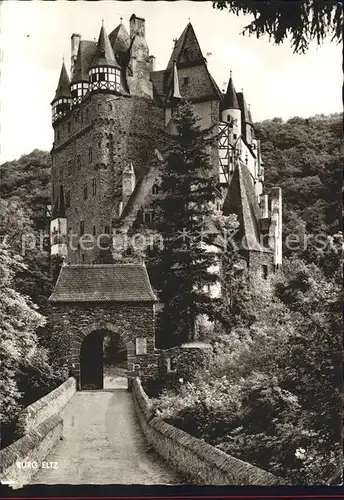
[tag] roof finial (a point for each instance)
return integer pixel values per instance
(103, 22)
(230, 73)
(121, 19)
(242, 90)
(189, 19)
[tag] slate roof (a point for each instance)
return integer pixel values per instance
(103, 283)
(241, 200)
(120, 42)
(86, 53)
(104, 55)
(63, 85)
(186, 49)
(230, 99)
(187, 54)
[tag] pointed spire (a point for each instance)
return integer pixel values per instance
(104, 55)
(230, 100)
(63, 85)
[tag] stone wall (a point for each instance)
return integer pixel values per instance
(31, 449)
(182, 362)
(71, 323)
(51, 404)
(120, 131)
(201, 462)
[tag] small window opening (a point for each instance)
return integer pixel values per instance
(265, 271)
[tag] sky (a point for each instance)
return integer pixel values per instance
(35, 36)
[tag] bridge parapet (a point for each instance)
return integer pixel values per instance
(201, 462)
(51, 404)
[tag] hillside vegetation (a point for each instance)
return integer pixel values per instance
(273, 395)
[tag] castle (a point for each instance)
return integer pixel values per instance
(106, 157)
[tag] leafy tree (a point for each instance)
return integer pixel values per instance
(303, 21)
(189, 189)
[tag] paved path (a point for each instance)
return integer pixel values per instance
(103, 443)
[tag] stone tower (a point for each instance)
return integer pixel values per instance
(107, 121)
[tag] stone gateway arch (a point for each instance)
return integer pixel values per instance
(91, 301)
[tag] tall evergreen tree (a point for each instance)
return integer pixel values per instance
(189, 190)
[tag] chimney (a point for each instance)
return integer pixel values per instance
(75, 42)
(137, 26)
(275, 232)
(128, 183)
(264, 207)
(152, 63)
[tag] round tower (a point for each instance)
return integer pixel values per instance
(105, 72)
(230, 110)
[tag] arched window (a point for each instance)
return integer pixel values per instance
(110, 107)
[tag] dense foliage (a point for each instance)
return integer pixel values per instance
(187, 195)
(28, 368)
(273, 395)
(302, 20)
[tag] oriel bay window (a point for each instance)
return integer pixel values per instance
(105, 78)
(78, 91)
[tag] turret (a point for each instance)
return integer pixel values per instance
(62, 101)
(230, 110)
(80, 80)
(58, 227)
(104, 73)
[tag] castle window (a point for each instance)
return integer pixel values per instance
(67, 199)
(265, 271)
(234, 136)
(99, 107)
(58, 135)
(107, 229)
(99, 144)
(83, 257)
(108, 145)
(186, 80)
(69, 127)
(94, 230)
(82, 117)
(147, 217)
(78, 162)
(85, 191)
(69, 167)
(94, 186)
(90, 155)
(110, 107)
(82, 227)
(87, 114)
(155, 189)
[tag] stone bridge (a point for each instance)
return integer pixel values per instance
(112, 436)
